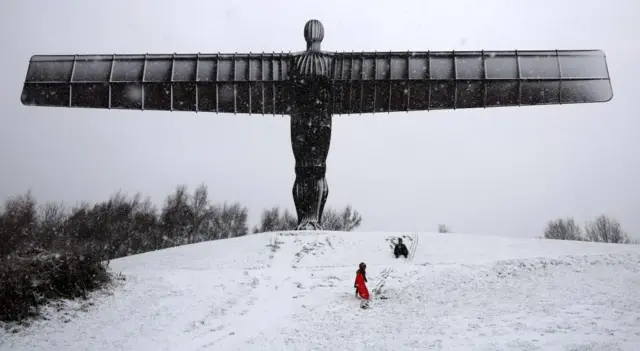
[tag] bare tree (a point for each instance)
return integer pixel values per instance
(289, 220)
(144, 232)
(51, 219)
(227, 221)
(346, 220)
(192, 218)
(18, 223)
(201, 212)
(272, 221)
(563, 229)
(606, 230)
(442, 228)
(176, 216)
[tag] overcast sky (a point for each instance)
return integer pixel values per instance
(502, 171)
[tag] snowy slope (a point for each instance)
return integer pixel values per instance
(294, 291)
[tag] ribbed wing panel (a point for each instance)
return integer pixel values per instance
(372, 82)
(363, 82)
(222, 83)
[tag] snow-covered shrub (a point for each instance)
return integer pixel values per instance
(32, 278)
(50, 252)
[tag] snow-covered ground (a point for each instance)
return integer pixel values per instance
(294, 291)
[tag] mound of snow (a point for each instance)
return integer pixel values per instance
(294, 291)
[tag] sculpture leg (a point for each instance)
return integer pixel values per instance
(310, 140)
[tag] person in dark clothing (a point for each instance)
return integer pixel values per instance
(362, 272)
(400, 249)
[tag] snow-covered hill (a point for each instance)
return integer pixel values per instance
(294, 291)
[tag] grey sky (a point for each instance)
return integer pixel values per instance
(503, 171)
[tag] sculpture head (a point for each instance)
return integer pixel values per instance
(313, 34)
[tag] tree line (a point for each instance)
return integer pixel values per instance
(122, 225)
(51, 251)
(603, 229)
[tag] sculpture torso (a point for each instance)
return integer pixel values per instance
(311, 133)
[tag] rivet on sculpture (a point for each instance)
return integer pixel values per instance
(313, 85)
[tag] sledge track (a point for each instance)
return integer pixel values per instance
(377, 290)
(414, 245)
(274, 300)
(383, 279)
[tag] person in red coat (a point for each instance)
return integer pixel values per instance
(361, 280)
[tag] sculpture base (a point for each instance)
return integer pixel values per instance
(309, 225)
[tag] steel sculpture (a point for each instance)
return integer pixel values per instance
(313, 85)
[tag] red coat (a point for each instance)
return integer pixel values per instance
(361, 286)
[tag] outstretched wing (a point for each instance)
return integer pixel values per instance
(223, 83)
(372, 82)
(363, 82)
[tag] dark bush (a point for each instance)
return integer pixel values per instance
(32, 278)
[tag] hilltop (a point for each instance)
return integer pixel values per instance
(294, 291)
